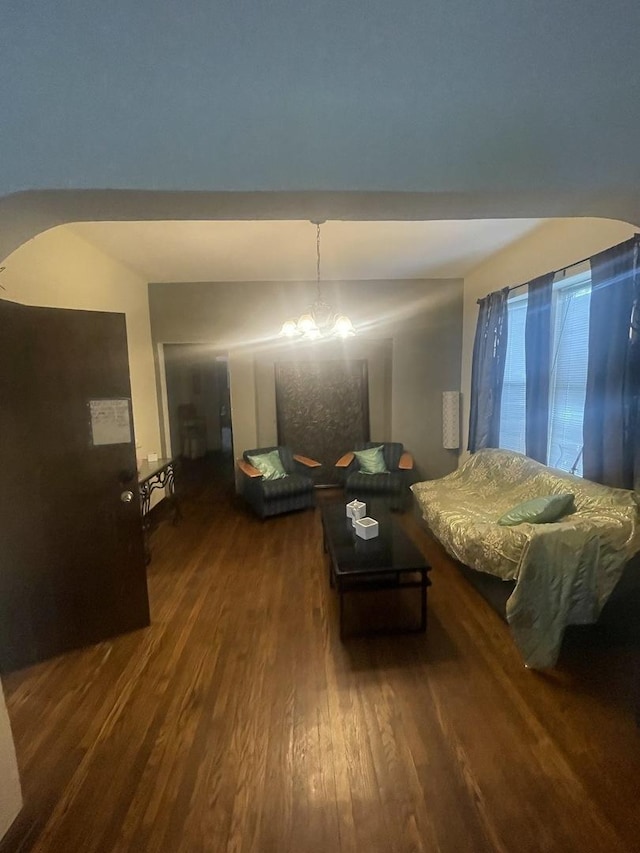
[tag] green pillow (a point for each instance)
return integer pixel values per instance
(269, 465)
(371, 461)
(539, 510)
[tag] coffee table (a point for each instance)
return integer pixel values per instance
(388, 561)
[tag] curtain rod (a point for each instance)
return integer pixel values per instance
(635, 237)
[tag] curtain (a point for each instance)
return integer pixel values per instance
(487, 371)
(611, 423)
(537, 338)
(634, 372)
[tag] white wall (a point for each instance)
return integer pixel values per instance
(244, 416)
(58, 269)
(10, 795)
(553, 245)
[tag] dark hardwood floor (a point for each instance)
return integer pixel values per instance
(239, 721)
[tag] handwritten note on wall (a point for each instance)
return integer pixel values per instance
(110, 421)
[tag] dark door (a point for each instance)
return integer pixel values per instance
(72, 566)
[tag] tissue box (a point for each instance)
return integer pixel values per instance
(366, 528)
(356, 509)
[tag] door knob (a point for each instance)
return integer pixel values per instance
(126, 497)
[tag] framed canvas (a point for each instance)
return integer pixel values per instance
(322, 409)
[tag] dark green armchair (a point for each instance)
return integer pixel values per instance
(393, 485)
(268, 497)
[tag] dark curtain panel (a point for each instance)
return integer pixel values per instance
(487, 371)
(538, 365)
(634, 371)
(611, 404)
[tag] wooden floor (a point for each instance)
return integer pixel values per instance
(238, 721)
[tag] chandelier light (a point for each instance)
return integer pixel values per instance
(319, 320)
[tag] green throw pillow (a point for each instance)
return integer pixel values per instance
(371, 461)
(539, 510)
(269, 465)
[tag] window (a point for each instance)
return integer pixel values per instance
(568, 380)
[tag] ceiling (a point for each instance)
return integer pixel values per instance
(368, 95)
(175, 251)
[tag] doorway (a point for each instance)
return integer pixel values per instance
(198, 402)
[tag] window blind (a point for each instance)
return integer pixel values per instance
(568, 381)
(512, 412)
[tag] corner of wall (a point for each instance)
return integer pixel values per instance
(10, 791)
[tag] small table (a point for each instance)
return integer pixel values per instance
(152, 476)
(388, 561)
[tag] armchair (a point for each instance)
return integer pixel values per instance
(294, 490)
(394, 484)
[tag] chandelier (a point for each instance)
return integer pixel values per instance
(319, 320)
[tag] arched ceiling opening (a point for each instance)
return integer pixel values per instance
(24, 215)
(285, 250)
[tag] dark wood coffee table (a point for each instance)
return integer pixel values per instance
(389, 561)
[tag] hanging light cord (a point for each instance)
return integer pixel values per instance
(320, 320)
